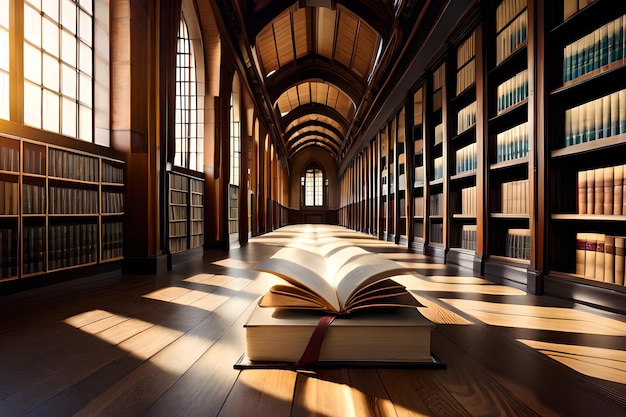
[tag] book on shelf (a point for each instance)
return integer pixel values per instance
(597, 119)
(600, 257)
(518, 243)
(601, 191)
(595, 50)
(419, 206)
(9, 198)
(466, 118)
(515, 197)
(466, 65)
(512, 28)
(438, 168)
(512, 91)
(468, 201)
(388, 336)
(436, 232)
(466, 158)
(10, 157)
(438, 134)
(468, 236)
(335, 277)
(436, 204)
(512, 143)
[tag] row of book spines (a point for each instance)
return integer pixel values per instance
(8, 252)
(197, 200)
(419, 175)
(468, 201)
(507, 10)
(178, 213)
(436, 232)
(512, 91)
(178, 229)
(518, 243)
(197, 213)
(466, 117)
(513, 143)
(515, 197)
(63, 164)
(601, 191)
(72, 244)
(439, 134)
(34, 249)
(597, 119)
(178, 197)
(418, 203)
(112, 174)
(9, 159)
(112, 202)
(196, 241)
(197, 227)
(436, 204)
(112, 240)
(466, 50)
(197, 186)
(73, 201)
(439, 77)
(572, 6)
(468, 236)
(9, 198)
(466, 158)
(33, 199)
(179, 182)
(599, 48)
(511, 37)
(466, 76)
(438, 168)
(178, 244)
(34, 161)
(600, 257)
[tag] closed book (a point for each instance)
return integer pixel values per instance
(618, 183)
(614, 114)
(619, 260)
(582, 192)
(622, 111)
(590, 121)
(606, 116)
(609, 259)
(598, 203)
(624, 192)
(600, 257)
(597, 111)
(581, 241)
(569, 8)
(590, 255)
(389, 335)
(609, 190)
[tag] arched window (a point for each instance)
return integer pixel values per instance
(4, 60)
(189, 143)
(312, 186)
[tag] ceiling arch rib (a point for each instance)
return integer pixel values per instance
(316, 119)
(314, 134)
(314, 141)
(315, 92)
(316, 125)
(314, 110)
(311, 145)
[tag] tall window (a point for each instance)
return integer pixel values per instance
(4, 59)
(58, 66)
(235, 139)
(313, 186)
(189, 144)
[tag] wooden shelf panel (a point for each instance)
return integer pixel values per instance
(589, 217)
(464, 175)
(509, 164)
(586, 147)
(514, 216)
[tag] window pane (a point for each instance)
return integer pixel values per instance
(68, 48)
(35, 3)
(68, 15)
(68, 88)
(86, 29)
(50, 37)
(69, 118)
(50, 111)
(86, 59)
(85, 90)
(32, 64)
(4, 50)
(32, 21)
(87, 5)
(85, 124)
(51, 8)
(4, 96)
(32, 104)
(51, 73)
(4, 13)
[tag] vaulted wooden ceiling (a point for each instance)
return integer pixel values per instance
(319, 64)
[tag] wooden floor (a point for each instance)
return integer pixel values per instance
(165, 346)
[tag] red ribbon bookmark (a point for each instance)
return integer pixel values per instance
(312, 352)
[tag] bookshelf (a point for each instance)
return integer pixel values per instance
(383, 141)
(186, 212)
(585, 146)
(58, 206)
(391, 177)
(402, 178)
(463, 150)
(417, 189)
(436, 174)
(509, 135)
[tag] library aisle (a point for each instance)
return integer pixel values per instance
(165, 345)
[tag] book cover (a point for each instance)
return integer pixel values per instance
(590, 255)
(581, 242)
(619, 260)
(609, 189)
(582, 192)
(598, 207)
(599, 275)
(609, 259)
(618, 183)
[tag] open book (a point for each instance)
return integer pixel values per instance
(335, 277)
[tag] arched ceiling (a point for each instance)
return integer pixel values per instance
(319, 64)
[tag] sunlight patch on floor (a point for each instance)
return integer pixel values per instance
(187, 297)
(607, 364)
(555, 319)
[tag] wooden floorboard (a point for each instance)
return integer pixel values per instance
(165, 345)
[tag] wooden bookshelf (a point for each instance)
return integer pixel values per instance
(185, 212)
(57, 206)
(586, 144)
(417, 169)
